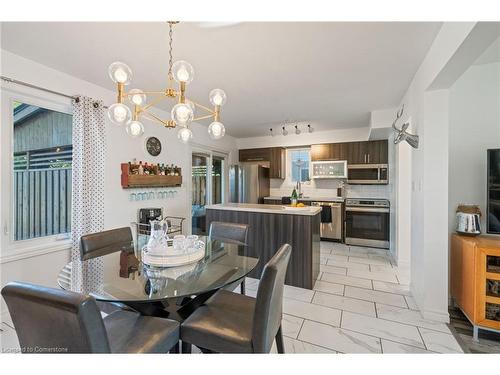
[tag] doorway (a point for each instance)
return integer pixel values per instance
(208, 179)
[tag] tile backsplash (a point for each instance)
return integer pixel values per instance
(327, 188)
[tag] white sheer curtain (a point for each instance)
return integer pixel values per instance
(87, 188)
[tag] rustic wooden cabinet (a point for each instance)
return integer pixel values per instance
(274, 155)
(366, 152)
(475, 279)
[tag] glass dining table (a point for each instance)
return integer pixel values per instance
(172, 292)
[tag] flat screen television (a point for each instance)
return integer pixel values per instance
(493, 204)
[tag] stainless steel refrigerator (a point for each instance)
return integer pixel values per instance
(248, 183)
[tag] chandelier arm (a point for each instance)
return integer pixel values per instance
(203, 117)
(152, 116)
(155, 102)
(202, 106)
(146, 93)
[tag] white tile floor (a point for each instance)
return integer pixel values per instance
(360, 304)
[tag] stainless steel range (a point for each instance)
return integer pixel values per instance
(367, 222)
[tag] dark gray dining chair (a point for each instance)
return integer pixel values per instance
(98, 244)
(234, 323)
(50, 320)
(231, 233)
(103, 243)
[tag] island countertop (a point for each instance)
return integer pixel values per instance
(267, 208)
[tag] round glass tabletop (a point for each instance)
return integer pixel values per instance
(126, 279)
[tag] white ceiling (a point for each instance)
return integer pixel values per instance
(330, 73)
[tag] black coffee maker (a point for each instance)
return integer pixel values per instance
(145, 216)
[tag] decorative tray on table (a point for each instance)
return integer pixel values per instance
(172, 257)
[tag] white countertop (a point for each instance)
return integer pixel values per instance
(267, 208)
(313, 199)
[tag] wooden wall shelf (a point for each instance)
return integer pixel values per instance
(130, 181)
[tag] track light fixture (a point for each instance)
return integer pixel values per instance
(296, 130)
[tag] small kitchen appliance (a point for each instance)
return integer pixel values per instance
(468, 220)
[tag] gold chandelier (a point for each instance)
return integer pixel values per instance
(182, 113)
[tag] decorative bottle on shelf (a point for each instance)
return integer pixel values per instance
(141, 168)
(294, 197)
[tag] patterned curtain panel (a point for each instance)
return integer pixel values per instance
(87, 188)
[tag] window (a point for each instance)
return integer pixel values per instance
(299, 164)
(41, 171)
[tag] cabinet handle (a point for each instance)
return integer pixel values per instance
(255, 159)
(368, 158)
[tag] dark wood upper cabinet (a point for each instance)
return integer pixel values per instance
(277, 163)
(356, 152)
(366, 152)
(329, 151)
(320, 152)
(377, 152)
(255, 154)
(274, 155)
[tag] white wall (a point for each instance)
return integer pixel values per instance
(474, 127)
(119, 211)
(429, 236)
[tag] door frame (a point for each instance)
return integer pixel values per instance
(210, 153)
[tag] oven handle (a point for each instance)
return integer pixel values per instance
(367, 209)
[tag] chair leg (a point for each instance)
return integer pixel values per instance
(186, 348)
(279, 341)
(242, 287)
(175, 349)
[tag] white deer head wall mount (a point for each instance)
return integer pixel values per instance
(402, 134)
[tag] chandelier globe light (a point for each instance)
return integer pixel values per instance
(119, 114)
(134, 129)
(182, 113)
(185, 135)
(216, 130)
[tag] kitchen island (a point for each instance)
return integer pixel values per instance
(271, 226)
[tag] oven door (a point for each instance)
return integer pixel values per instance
(367, 226)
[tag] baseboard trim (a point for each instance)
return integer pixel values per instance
(437, 316)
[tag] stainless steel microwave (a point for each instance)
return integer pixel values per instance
(367, 174)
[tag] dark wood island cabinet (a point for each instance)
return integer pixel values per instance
(271, 226)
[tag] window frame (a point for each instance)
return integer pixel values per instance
(289, 171)
(11, 249)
